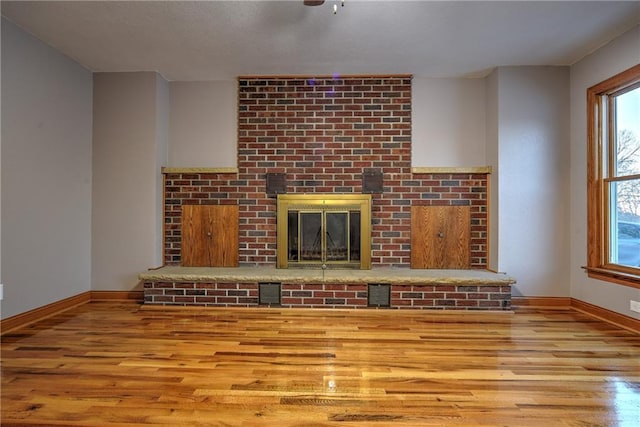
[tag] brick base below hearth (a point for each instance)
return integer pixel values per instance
(481, 296)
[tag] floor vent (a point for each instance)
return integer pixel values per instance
(379, 295)
(269, 293)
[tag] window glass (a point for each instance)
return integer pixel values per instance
(625, 226)
(624, 234)
(627, 120)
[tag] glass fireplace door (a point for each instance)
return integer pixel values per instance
(323, 237)
(336, 236)
(317, 230)
(310, 232)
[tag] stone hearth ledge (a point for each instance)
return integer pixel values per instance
(382, 275)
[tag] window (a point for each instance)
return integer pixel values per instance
(613, 182)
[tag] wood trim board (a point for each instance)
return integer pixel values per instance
(547, 302)
(452, 169)
(166, 170)
(40, 313)
(31, 316)
(621, 320)
(624, 321)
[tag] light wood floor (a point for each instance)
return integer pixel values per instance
(119, 364)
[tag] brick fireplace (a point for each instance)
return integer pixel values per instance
(322, 135)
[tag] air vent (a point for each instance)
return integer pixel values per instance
(276, 183)
(372, 181)
(379, 295)
(269, 293)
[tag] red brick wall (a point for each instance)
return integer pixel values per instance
(194, 189)
(327, 295)
(457, 189)
(198, 293)
(323, 134)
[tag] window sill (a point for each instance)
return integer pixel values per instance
(608, 275)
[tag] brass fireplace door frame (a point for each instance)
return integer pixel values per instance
(322, 202)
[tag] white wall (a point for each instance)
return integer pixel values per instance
(162, 152)
(1, 286)
(128, 147)
(46, 174)
(617, 56)
(203, 130)
(533, 155)
(448, 122)
(491, 155)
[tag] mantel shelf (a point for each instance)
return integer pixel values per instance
(166, 170)
(446, 169)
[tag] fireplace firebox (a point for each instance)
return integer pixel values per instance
(324, 231)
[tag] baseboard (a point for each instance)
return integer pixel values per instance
(40, 313)
(601, 313)
(621, 320)
(137, 296)
(31, 316)
(546, 302)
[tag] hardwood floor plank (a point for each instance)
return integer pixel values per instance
(118, 364)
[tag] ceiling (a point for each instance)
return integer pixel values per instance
(219, 40)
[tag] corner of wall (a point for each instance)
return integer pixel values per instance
(163, 102)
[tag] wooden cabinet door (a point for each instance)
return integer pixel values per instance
(440, 236)
(210, 235)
